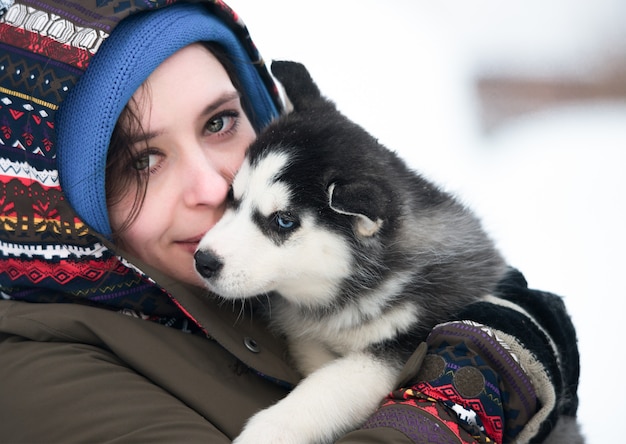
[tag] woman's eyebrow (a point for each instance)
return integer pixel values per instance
(143, 136)
(220, 101)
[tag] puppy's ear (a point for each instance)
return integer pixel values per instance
(366, 201)
(300, 88)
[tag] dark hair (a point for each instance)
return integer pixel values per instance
(120, 174)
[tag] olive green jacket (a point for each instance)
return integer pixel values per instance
(75, 373)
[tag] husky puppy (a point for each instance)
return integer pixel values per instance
(359, 255)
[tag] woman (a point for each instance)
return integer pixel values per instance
(114, 235)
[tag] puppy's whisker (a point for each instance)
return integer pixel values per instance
(242, 309)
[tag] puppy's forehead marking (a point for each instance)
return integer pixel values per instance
(257, 186)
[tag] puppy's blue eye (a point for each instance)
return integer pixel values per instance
(285, 221)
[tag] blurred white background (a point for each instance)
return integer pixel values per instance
(519, 108)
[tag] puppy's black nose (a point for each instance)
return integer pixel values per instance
(207, 264)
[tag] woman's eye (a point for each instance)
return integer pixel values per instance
(222, 123)
(145, 161)
(216, 125)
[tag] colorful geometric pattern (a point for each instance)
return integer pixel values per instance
(470, 385)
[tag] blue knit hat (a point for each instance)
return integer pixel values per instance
(139, 44)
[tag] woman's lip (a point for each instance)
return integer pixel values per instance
(194, 240)
(190, 244)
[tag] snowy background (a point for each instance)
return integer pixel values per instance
(548, 184)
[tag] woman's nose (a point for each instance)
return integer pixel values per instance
(204, 183)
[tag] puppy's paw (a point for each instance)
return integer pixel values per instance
(268, 428)
(268, 435)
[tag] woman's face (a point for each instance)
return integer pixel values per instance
(193, 140)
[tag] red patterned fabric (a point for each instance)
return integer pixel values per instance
(44, 46)
(470, 384)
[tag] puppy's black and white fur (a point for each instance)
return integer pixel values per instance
(360, 257)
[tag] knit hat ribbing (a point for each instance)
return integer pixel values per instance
(139, 44)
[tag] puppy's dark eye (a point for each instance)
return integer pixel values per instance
(285, 221)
